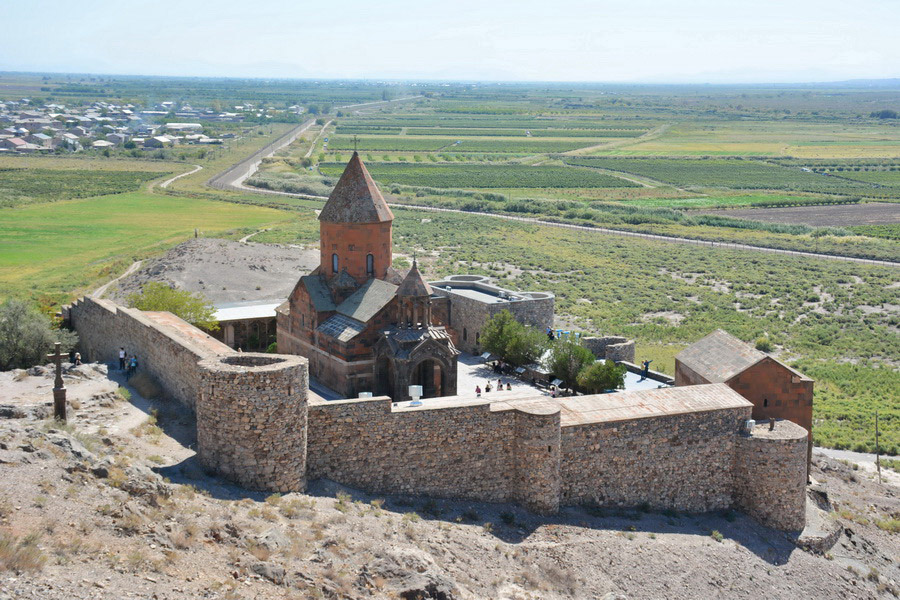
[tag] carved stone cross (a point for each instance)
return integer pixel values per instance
(59, 389)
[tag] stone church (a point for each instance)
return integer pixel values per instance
(363, 326)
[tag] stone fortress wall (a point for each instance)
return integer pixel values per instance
(678, 448)
(610, 347)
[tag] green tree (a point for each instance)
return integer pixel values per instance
(511, 341)
(602, 375)
(27, 335)
(567, 359)
(193, 308)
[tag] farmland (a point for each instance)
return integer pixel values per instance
(734, 174)
(26, 186)
(484, 176)
(53, 251)
(435, 144)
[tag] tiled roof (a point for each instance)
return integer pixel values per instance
(355, 198)
(719, 356)
(341, 328)
(368, 300)
(318, 292)
(413, 284)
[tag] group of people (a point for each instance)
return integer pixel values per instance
(127, 363)
(488, 388)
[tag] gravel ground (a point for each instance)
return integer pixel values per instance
(114, 507)
(225, 271)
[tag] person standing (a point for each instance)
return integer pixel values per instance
(478, 391)
(122, 356)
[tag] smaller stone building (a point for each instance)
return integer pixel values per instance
(775, 389)
(465, 303)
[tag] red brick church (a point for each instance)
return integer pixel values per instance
(363, 326)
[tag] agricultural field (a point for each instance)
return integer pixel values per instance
(891, 178)
(824, 216)
(26, 186)
(731, 173)
(483, 176)
(406, 143)
(53, 251)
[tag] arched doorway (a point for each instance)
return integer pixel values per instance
(384, 377)
(430, 374)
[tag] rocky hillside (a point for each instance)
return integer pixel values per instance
(114, 506)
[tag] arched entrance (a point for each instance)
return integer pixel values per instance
(430, 374)
(384, 377)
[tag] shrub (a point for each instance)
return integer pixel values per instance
(763, 344)
(20, 555)
(26, 336)
(193, 308)
(511, 341)
(602, 375)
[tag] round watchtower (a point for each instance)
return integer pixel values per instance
(251, 419)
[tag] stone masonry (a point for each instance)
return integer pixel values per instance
(681, 448)
(251, 420)
(610, 347)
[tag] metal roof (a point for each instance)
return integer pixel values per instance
(236, 311)
(365, 303)
(719, 356)
(341, 328)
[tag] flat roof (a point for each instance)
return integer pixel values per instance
(236, 311)
(477, 294)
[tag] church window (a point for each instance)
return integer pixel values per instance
(334, 263)
(370, 265)
(465, 334)
(477, 337)
(765, 401)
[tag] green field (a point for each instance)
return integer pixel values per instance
(554, 133)
(734, 174)
(405, 143)
(26, 186)
(483, 176)
(891, 178)
(53, 251)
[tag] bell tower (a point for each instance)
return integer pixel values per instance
(355, 227)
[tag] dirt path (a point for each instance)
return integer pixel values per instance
(166, 183)
(98, 293)
(247, 237)
(316, 141)
(650, 135)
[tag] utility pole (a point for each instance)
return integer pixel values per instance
(877, 449)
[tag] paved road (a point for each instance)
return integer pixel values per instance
(234, 176)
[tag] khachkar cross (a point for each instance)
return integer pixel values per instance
(59, 390)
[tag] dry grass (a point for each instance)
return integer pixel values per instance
(20, 554)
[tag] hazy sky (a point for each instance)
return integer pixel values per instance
(601, 40)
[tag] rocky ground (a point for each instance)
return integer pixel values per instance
(225, 271)
(113, 506)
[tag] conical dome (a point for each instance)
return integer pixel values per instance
(413, 284)
(356, 198)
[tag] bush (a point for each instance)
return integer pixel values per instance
(602, 375)
(567, 359)
(193, 308)
(511, 341)
(26, 336)
(763, 344)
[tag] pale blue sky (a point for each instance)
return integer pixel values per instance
(581, 40)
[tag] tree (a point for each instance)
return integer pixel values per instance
(26, 336)
(193, 308)
(511, 341)
(602, 375)
(567, 359)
